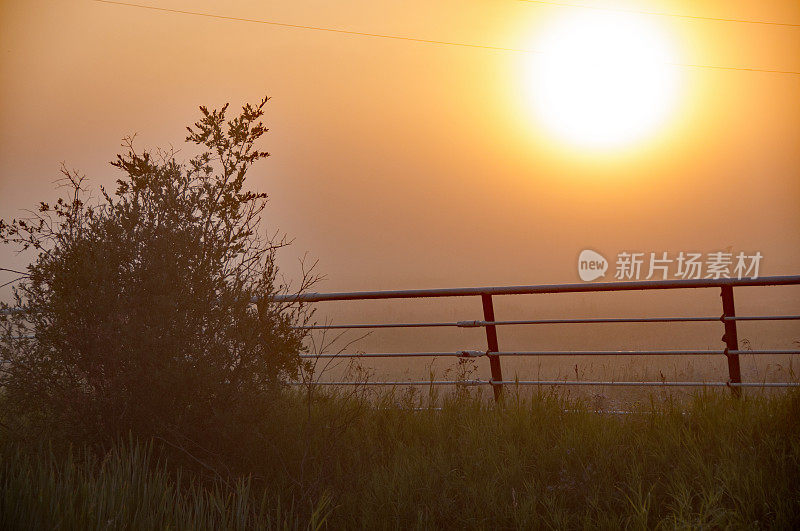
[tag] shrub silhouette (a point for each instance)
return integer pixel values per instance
(141, 301)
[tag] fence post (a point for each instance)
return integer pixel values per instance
(731, 338)
(491, 340)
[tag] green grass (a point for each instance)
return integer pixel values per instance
(715, 462)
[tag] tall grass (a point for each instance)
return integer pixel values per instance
(534, 462)
(127, 490)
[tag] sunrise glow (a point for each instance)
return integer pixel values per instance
(603, 81)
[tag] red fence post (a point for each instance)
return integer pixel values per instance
(731, 338)
(491, 340)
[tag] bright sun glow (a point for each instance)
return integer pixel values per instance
(603, 80)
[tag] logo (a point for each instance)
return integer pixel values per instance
(687, 265)
(591, 265)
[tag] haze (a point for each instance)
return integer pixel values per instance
(405, 164)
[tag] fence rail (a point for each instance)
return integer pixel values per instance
(638, 285)
(728, 319)
(480, 353)
(557, 382)
(477, 324)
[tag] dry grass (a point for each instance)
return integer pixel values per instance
(543, 461)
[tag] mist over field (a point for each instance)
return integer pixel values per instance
(180, 181)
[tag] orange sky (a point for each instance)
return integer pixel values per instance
(402, 164)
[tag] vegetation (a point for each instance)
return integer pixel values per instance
(543, 462)
(152, 396)
(141, 302)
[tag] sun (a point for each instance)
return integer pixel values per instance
(603, 80)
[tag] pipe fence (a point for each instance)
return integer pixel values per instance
(727, 319)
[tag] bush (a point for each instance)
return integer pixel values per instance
(141, 301)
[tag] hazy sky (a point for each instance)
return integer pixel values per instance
(403, 164)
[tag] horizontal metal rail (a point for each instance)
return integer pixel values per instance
(642, 352)
(390, 383)
(480, 353)
(489, 324)
(478, 323)
(380, 325)
(654, 384)
(458, 354)
(763, 318)
(553, 382)
(546, 288)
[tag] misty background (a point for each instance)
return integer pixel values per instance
(406, 165)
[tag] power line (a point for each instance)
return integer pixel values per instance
(317, 28)
(404, 38)
(13, 271)
(12, 281)
(736, 68)
(663, 14)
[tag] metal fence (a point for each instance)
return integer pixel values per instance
(728, 320)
